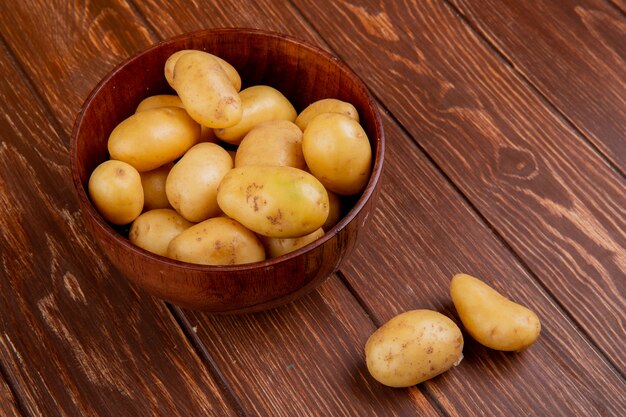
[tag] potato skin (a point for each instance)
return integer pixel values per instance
(155, 229)
(217, 241)
(412, 347)
(327, 105)
(338, 153)
(272, 143)
(115, 189)
(282, 202)
(275, 247)
(492, 319)
(230, 71)
(158, 101)
(260, 103)
(205, 90)
(334, 211)
(153, 184)
(151, 138)
(191, 185)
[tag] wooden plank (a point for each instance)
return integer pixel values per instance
(584, 40)
(8, 403)
(304, 359)
(620, 4)
(74, 338)
(555, 202)
(420, 238)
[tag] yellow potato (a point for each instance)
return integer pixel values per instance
(413, 347)
(153, 184)
(115, 189)
(156, 102)
(492, 319)
(217, 241)
(273, 143)
(154, 230)
(152, 138)
(206, 91)
(338, 153)
(275, 246)
(191, 185)
(274, 201)
(261, 103)
(230, 71)
(328, 105)
(334, 211)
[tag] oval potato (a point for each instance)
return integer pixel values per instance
(260, 103)
(413, 347)
(327, 105)
(151, 138)
(205, 90)
(191, 185)
(275, 246)
(153, 184)
(280, 202)
(115, 189)
(492, 319)
(272, 143)
(337, 152)
(158, 101)
(217, 241)
(155, 229)
(230, 71)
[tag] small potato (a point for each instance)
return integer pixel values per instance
(152, 138)
(230, 71)
(154, 230)
(338, 153)
(205, 90)
(275, 247)
(191, 185)
(492, 319)
(280, 202)
(115, 189)
(261, 103)
(217, 241)
(153, 184)
(334, 211)
(413, 347)
(272, 143)
(328, 105)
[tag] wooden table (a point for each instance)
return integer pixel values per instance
(506, 154)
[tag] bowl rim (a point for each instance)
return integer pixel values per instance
(366, 194)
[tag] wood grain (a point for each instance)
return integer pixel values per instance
(620, 4)
(554, 201)
(8, 403)
(585, 42)
(75, 339)
(304, 359)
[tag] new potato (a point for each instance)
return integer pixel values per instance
(337, 152)
(191, 185)
(327, 105)
(155, 229)
(492, 319)
(115, 189)
(216, 241)
(260, 103)
(275, 246)
(273, 143)
(282, 202)
(413, 347)
(151, 138)
(206, 91)
(230, 71)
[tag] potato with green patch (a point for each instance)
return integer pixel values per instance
(327, 105)
(155, 229)
(492, 319)
(272, 143)
(413, 347)
(217, 241)
(281, 202)
(115, 189)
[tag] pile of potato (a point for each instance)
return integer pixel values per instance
(274, 187)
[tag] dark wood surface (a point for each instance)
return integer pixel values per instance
(497, 166)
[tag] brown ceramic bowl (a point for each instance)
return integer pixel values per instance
(303, 73)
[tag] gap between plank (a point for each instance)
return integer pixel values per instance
(617, 7)
(205, 356)
(533, 88)
(473, 209)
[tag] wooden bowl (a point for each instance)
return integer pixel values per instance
(303, 73)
